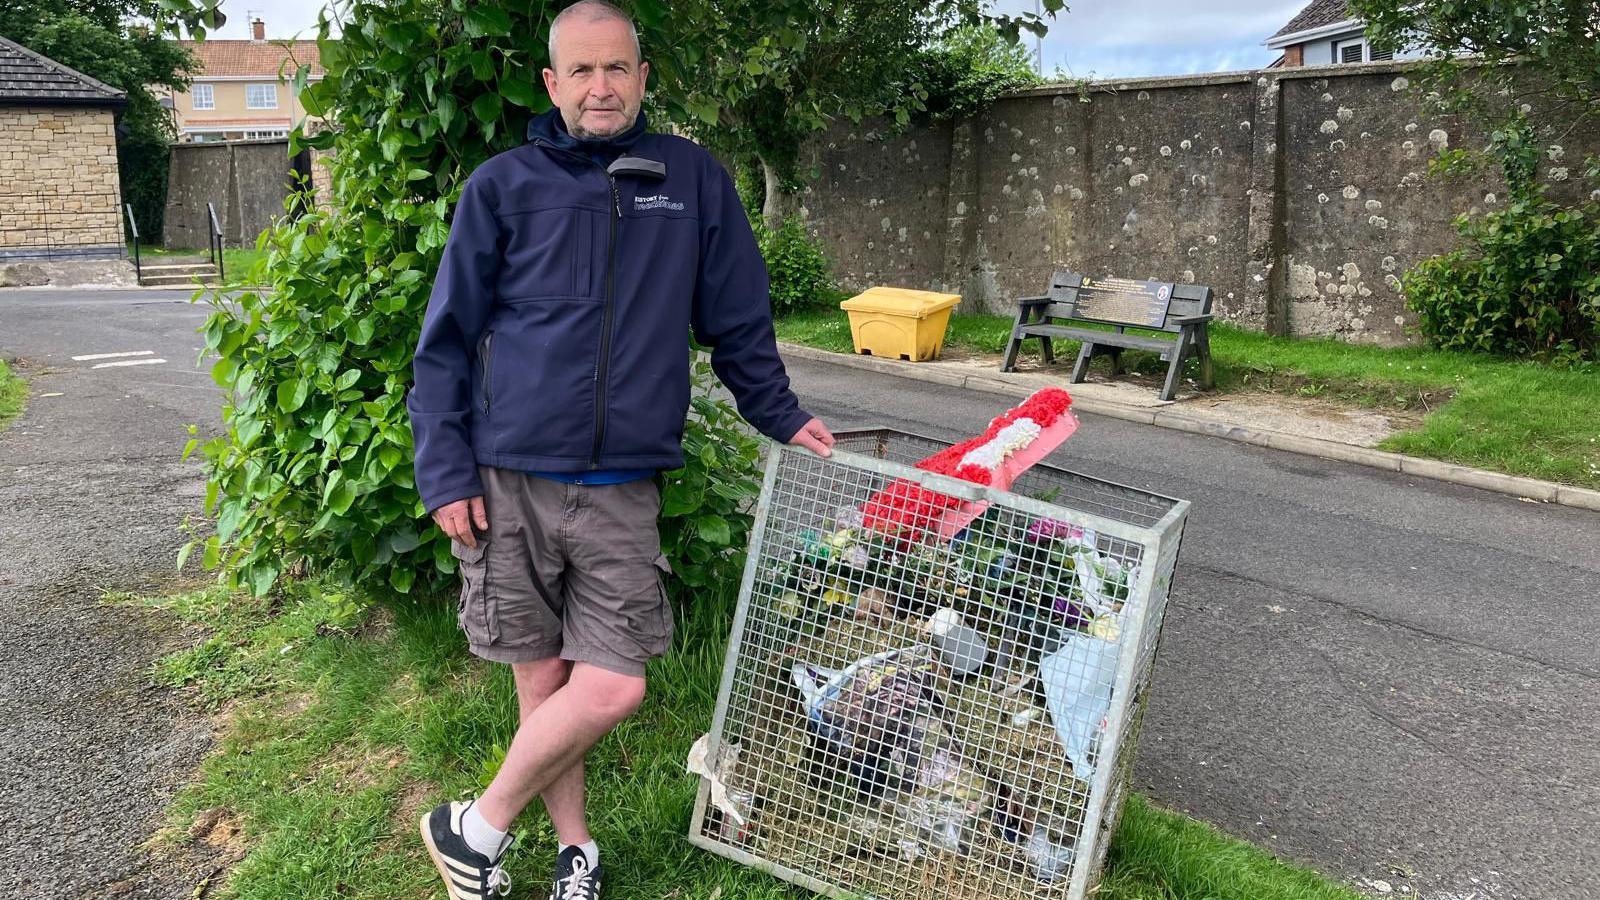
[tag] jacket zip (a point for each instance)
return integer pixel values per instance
(602, 369)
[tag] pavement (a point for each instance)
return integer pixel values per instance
(1389, 677)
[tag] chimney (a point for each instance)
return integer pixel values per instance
(258, 30)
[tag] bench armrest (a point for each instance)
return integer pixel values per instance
(1033, 301)
(1191, 320)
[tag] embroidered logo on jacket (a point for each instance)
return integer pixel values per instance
(656, 201)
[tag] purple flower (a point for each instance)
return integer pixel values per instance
(1076, 616)
(1042, 530)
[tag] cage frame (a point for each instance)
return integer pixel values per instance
(1134, 663)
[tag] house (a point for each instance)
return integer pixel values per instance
(1324, 33)
(59, 193)
(243, 90)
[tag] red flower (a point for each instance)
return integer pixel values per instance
(907, 507)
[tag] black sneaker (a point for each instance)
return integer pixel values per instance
(574, 879)
(467, 874)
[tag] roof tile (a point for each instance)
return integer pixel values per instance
(224, 59)
(28, 77)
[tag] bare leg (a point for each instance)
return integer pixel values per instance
(555, 736)
(563, 799)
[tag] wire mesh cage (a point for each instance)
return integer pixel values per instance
(910, 714)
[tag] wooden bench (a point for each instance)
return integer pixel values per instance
(1173, 317)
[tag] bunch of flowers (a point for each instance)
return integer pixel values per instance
(908, 509)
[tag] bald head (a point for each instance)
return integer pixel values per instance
(591, 12)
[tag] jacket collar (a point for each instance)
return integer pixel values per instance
(551, 130)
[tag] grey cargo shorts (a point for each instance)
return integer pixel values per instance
(566, 570)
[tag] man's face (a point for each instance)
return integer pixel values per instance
(596, 81)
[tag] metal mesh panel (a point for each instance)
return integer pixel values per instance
(906, 716)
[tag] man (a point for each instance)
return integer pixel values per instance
(552, 381)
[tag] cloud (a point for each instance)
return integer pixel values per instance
(1130, 38)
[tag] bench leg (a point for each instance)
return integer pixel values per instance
(1116, 361)
(1081, 367)
(1048, 350)
(1208, 375)
(1175, 368)
(1009, 362)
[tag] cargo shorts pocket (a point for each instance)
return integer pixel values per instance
(664, 633)
(472, 610)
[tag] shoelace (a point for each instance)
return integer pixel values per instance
(497, 882)
(575, 886)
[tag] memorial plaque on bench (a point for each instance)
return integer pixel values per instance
(1123, 301)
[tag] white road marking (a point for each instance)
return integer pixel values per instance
(128, 362)
(88, 356)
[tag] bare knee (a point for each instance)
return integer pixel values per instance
(537, 680)
(608, 694)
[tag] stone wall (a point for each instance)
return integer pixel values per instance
(59, 194)
(1299, 195)
(246, 182)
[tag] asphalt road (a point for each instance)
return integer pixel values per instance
(94, 495)
(1390, 679)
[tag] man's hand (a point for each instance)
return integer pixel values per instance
(814, 436)
(456, 519)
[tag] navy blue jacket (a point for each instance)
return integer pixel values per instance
(556, 337)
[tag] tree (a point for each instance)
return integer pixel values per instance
(758, 78)
(99, 38)
(1556, 41)
(1524, 281)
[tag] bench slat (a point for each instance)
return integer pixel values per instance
(1108, 338)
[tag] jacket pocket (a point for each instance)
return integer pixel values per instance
(485, 367)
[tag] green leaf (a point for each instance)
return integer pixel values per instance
(714, 530)
(486, 108)
(522, 93)
(486, 20)
(292, 394)
(344, 494)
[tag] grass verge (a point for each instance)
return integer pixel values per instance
(13, 391)
(236, 261)
(338, 729)
(1518, 417)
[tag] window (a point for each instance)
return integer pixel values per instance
(265, 135)
(202, 97)
(1358, 50)
(1350, 52)
(261, 96)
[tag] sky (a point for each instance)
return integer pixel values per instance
(1094, 38)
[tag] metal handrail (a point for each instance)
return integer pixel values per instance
(214, 242)
(133, 226)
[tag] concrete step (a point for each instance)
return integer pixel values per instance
(178, 268)
(149, 280)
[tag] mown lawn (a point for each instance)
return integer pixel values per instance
(340, 729)
(1522, 418)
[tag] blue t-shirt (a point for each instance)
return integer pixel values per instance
(599, 476)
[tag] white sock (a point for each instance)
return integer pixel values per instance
(591, 851)
(480, 835)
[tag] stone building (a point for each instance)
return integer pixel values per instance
(59, 194)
